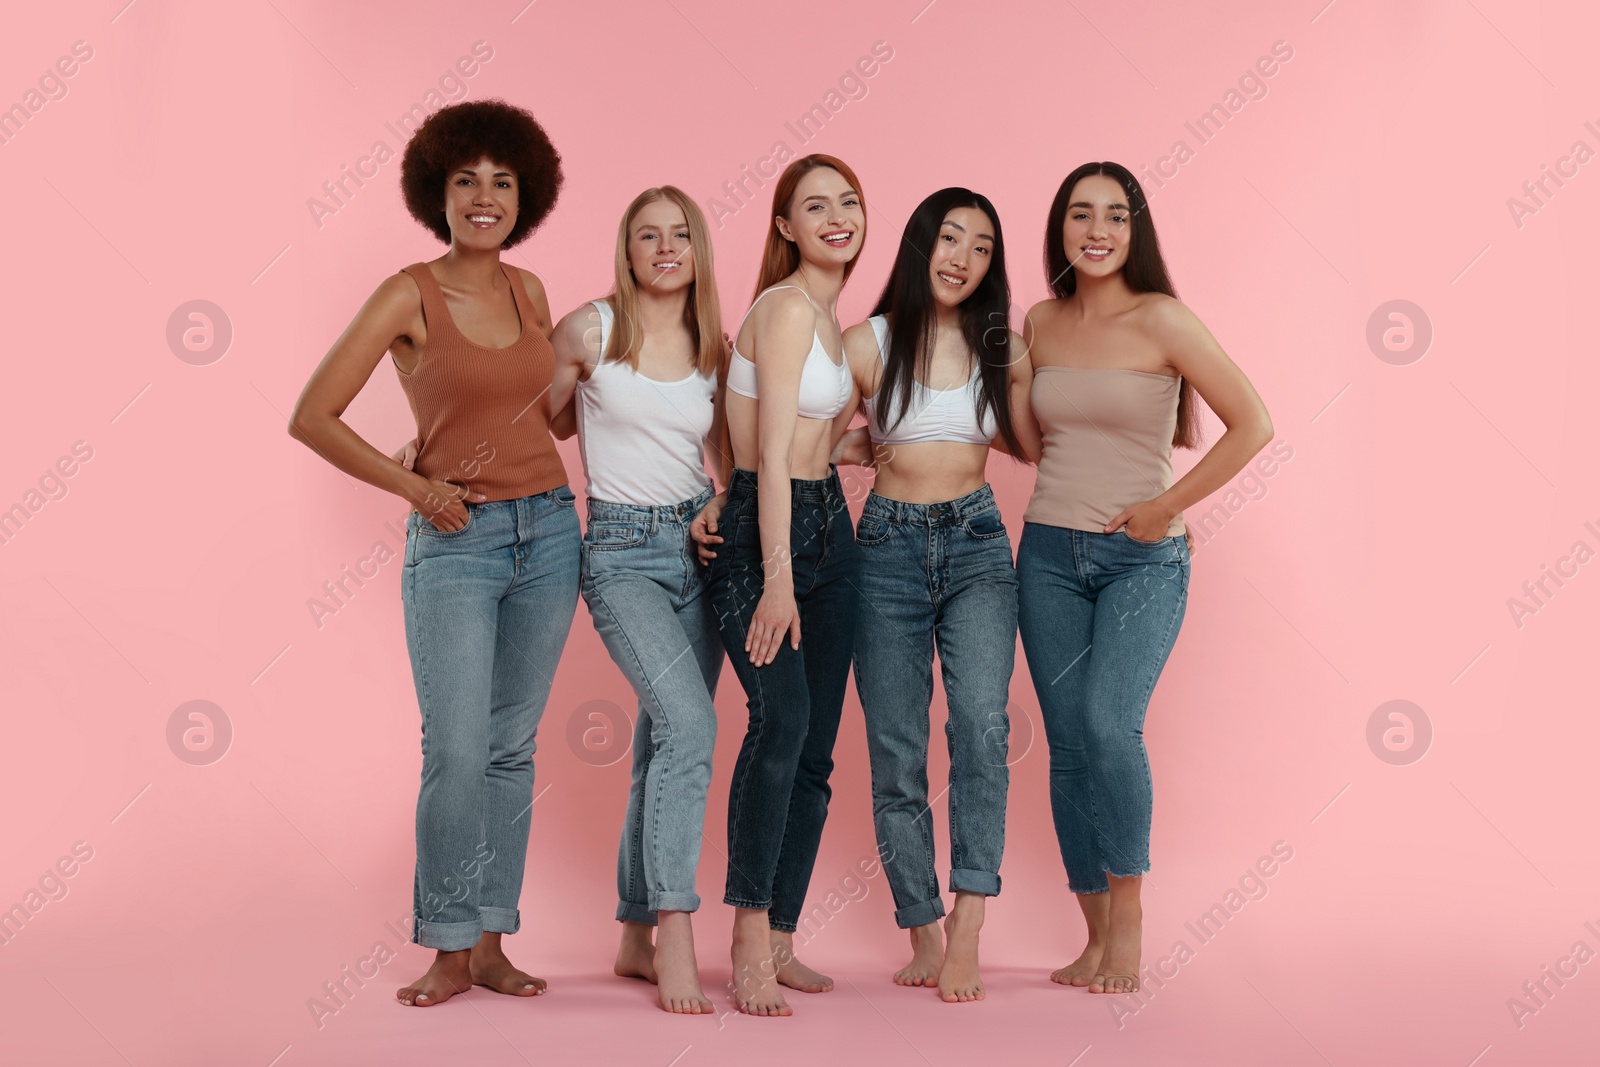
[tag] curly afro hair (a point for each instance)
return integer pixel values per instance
(461, 134)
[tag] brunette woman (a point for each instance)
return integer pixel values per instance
(940, 374)
(1104, 565)
(643, 363)
(491, 565)
(783, 584)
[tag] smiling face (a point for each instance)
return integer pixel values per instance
(961, 254)
(826, 218)
(480, 204)
(1098, 226)
(659, 251)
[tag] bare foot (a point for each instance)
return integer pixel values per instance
(449, 975)
(959, 980)
(674, 965)
(755, 984)
(636, 955)
(793, 973)
(1096, 908)
(1119, 970)
(491, 969)
(1082, 969)
(927, 951)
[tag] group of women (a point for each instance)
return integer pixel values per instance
(770, 571)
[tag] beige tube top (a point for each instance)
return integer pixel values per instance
(1107, 444)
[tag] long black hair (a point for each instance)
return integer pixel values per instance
(1144, 270)
(985, 317)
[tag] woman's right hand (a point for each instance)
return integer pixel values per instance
(442, 503)
(406, 455)
(776, 614)
(704, 528)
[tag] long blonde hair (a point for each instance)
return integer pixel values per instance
(702, 312)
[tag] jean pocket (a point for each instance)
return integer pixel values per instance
(607, 535)
(985, 525)
(873, 530)
(428, 529)
(564, 496)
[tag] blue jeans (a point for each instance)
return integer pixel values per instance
(779, 797)
(487, 611)
(1099, 615)
(645, 592)
(936, 575)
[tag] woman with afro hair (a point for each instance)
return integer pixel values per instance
(490, 578)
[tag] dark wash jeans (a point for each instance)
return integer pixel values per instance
(779, 797)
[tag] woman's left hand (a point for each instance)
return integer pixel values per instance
(1146, 521)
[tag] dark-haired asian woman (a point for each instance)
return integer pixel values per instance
(783, 580)
(1104, 562)
(490, 577)
(940, 374)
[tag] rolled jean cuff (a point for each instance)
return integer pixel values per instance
(628, 912)
(984, 882)
(675, 901)
(920, 914)
(445, 937)
(500, 920)
(749, 905)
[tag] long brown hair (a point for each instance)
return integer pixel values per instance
(702, 312)
(1145, 270)
(781, 256)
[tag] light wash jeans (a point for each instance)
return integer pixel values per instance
(487, 610)
(1099, 615)
(936, 575)
(647, 596)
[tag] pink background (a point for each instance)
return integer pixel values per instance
(1374, 565)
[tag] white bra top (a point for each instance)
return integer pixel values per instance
(824, 385)
(642, 440)
(934, 414)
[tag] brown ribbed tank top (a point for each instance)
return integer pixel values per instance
(483, 414)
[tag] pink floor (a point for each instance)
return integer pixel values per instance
(1423, 534)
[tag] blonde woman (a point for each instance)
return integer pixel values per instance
(636, 377)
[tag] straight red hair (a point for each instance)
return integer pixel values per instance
(781, 257)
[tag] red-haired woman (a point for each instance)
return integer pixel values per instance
(783, 582)
(491, 566)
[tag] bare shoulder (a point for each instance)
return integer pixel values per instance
(785, 308)
(397, 303)
(530, 281)
(861, 353)
(1044, 309)
(860, 340)
(578, 333)
(1170, 323)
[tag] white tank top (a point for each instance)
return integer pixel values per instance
(934, 414)
(642, 441)
(824, 385)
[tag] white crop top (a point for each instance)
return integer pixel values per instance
(642, 440)
(824, 385)
(934, 414)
